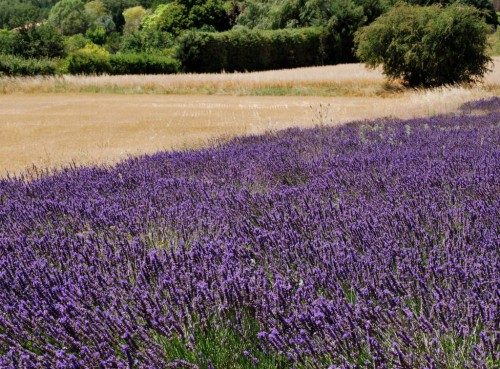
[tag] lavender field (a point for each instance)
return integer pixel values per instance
(371, 245)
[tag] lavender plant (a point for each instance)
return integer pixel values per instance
(371, 245)
(485, 105)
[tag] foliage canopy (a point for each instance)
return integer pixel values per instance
(38, 42)
(133, 17)
(156, 27)
(273, 14)
(179, 15)
(69, 16)
(485, 6)
(427, 46)
(339, 18)
(17, 13)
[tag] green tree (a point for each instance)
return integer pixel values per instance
(38, 42)
(17, 13)
(133, 17)
(115, 8)
(373, 9)
(207, 13)
(340, 19)
(172, 18)
(486, 6)
(338, 37)
(95, 9)
(427, 46)
(252, 14)
(181, 15)
(274, 14)
(69, 16)
(106, 23)
(98, 17)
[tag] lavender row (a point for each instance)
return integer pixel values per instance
(375, 244)
(490, 104)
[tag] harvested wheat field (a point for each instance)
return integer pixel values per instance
(52, 122)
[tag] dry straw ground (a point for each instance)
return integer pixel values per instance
(50, 122)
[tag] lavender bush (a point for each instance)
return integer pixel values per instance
(372, 245)
(485, 105)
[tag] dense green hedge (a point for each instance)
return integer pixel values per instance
(17, 66)
(89, 63)
(143, 64)
(250, 50)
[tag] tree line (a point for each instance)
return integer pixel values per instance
(165, 36)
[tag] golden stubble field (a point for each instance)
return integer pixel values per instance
(51, 122)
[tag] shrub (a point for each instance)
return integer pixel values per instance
(427, 46)
(142, 64)
(91, 48)
(483, 105)
(75, 43)
(11, 65)
(82, 62)
(250, 50)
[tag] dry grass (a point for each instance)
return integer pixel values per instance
(495, 43)
(51, 129)
(338, 80)
(330, 81)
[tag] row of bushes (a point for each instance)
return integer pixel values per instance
(88, 63)
(250, 50)
(11, 65)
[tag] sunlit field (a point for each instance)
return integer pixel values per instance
(51, 122)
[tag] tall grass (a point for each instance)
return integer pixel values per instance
(332, 80)
(337, 80)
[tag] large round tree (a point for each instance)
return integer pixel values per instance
(427, 46)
